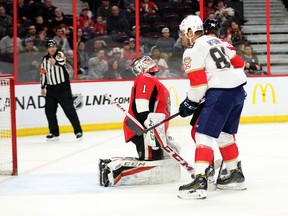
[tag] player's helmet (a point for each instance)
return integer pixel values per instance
(212, 26)
(144, 65)
(51, 43)
(192, 22)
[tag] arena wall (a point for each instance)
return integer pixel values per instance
(266, 102)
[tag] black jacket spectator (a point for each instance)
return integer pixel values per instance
(5, 21)
(117, 23)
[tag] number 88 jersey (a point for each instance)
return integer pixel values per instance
(212, 62)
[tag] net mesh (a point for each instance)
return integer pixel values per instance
(6, 159)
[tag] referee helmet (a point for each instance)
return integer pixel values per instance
(51, 43)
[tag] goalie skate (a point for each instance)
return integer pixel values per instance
(231, 180)
(103, 172)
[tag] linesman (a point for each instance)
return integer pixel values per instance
(55, 85)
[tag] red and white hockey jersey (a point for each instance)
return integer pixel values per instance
(147, 94)
(212, 63)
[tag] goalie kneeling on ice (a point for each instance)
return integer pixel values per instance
(130, 171)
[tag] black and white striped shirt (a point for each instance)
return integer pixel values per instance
(53, 74)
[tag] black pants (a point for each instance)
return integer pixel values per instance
(140, 146)
(60, 94)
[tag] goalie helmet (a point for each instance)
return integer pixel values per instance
(212, 26)
(51, 43)
(192, 22)
(144, 65)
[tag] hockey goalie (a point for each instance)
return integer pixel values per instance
(149, 105)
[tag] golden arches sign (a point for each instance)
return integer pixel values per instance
(263, 91)
(174, 90)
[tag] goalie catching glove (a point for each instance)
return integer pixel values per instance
(187, 108)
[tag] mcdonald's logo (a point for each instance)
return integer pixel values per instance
(174, 90)
(263, 91)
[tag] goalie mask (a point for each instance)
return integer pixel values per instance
(144, 65)
(212, 26)
(192, 22)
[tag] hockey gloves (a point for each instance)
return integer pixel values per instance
(187, 108)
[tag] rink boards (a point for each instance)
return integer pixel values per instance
(267, 101)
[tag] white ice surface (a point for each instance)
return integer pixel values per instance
(60, 178)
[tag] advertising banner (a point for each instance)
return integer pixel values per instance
(266, 98)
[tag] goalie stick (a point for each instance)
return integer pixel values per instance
(132, 125)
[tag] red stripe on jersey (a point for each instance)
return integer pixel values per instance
(131, 171)
(197, 77)
(229, 152)
(237, 62)
(204, 154)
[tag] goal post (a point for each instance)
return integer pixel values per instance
(8, 141)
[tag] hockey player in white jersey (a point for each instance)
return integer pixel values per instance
(211, 68)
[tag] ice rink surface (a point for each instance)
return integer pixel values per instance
(60, 178)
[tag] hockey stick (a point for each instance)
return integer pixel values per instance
(167, 148)
(139, 132)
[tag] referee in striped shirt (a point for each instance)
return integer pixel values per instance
(55, 85)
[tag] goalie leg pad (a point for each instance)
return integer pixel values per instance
(130, 171)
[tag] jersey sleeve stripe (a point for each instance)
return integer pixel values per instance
(198, 78)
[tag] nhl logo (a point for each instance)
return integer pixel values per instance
(77, 101)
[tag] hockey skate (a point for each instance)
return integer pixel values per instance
(231, 180)
(103, 172)
(211, 180)
(196, 189)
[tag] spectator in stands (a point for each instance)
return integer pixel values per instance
(23, 12)
(70, 63)
(148, 7)
(166, 44)
(47, 10)
(98, 66)
(104, 10)
(100, 27)
(5, 21)
(234, 34)
(59, 19)
(40, 24)
(86, 5)
(224, 13)
(127, 72)
(127, 52)
(208, 8)
(132, 43)
(161, 63)
(83, 59)
(7, 46)
(114, 71)
(117, 23)
(80, 36)
(116, 56)
(252, 66)
(29, 46)
(61, 40)
(85, 22)
(32, 33)
(129, 5)
(29, 62)
(97, 45)
(41, 39)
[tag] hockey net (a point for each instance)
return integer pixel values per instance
(8, 149)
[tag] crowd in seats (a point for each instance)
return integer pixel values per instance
(105, 40)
